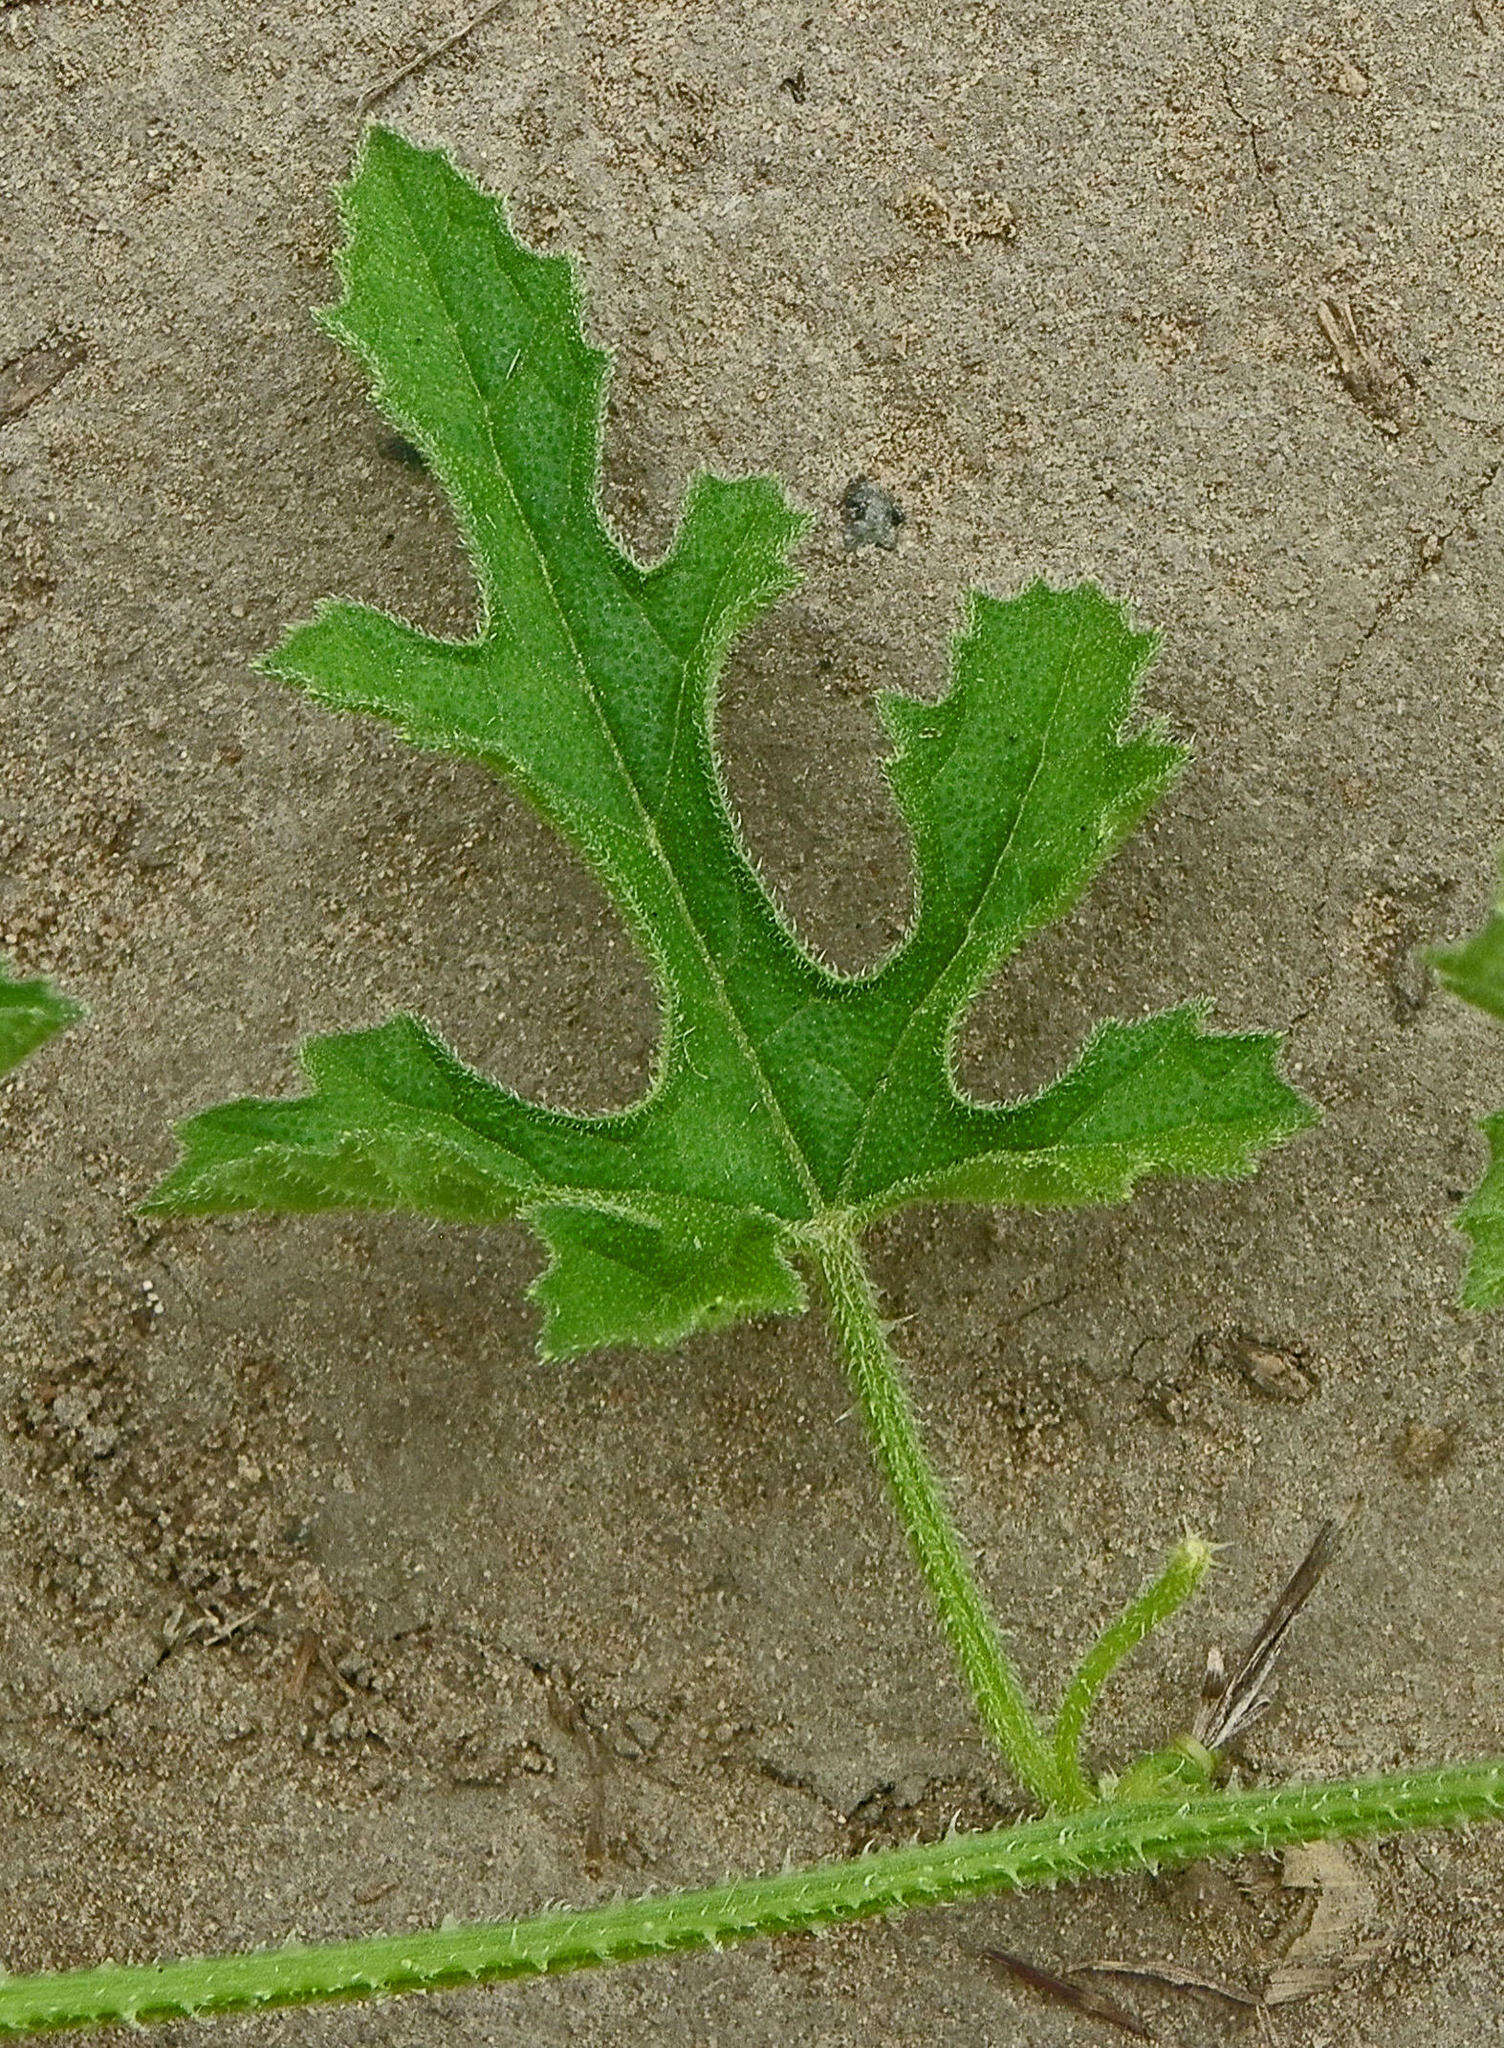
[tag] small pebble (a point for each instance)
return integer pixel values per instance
(870, 516)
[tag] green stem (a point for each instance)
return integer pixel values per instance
(989, 1672)
(1182, 1574)
(1102, 1841)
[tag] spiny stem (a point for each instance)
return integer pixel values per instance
(1182, 1574)
(988, 1670)
(1103, 1840)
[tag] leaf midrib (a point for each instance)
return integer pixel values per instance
(921, 1008)
(795, 1152)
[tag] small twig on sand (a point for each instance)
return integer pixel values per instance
(1174, 1976)
(1080, 1998)
(374, 93)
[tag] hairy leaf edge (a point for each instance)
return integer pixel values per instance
(1116, 826)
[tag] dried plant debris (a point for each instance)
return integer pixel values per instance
(1229, 1704)
(1329, 1946)
(1081, 1998)
(1280, 1372)
(32, 374)
(1365, 367)
(424, 58)
(1170, 1977)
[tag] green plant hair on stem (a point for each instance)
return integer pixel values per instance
(1105, 1841)
(995, 1686)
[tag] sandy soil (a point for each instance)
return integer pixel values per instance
(326, 1607)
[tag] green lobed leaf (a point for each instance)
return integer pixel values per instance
(784, 1093)
(1475, 971)
(1482, 1217)
(30, 1013)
